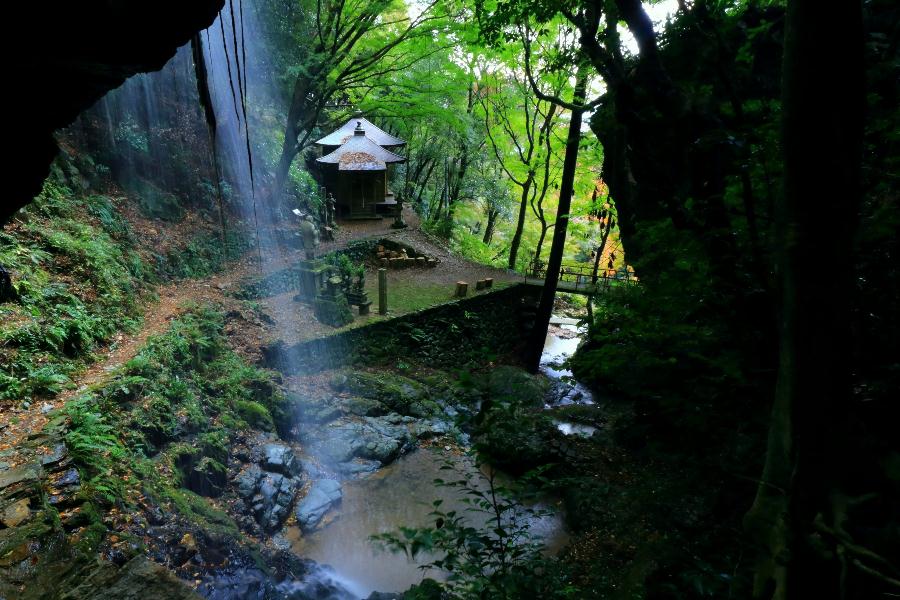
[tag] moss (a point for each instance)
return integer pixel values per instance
(255, 414)
(199, 512)
(399, 394)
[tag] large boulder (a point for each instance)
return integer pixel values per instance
(322, 495)
(516, 385)
(377, 438)
(395, 392)
(269, 496)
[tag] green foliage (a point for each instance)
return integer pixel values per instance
(500, 558)
(76, 284)
(668, 343)
(94, 444)
(204, 255)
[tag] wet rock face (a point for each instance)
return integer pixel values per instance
(138, 579)
(280, 459)
(322, 495)
(268, 488)
(85, 48)
(291, 578)
(382, 439)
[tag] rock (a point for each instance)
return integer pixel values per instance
(56, 456)
(513, 383)
(379, 438)
(322, 495)
(364, 407)
(395, 392)
(269, 495)
(277, 493)
(248, 481)
(312, 410)
(26, 474)
(46, 407)
(358, 466)
(139, 579)
(281, 459)
(280, 542)
(427, 429)
(16, 513)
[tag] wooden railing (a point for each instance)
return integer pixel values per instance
(579, 277)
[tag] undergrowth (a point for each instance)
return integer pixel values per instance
(77, 280)
(165, 420)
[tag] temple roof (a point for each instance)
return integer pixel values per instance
(345, 132)
(359, 153)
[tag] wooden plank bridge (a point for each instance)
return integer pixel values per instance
(579, 278)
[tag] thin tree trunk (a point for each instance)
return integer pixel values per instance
(540, 243)
(554, 261)
(520, 223)
(806, 456)
(489, 228)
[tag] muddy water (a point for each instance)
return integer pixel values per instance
(398, 495)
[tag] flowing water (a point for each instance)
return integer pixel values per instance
(562, 341)
(397, 495)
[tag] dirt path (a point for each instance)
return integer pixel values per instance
(18, 423)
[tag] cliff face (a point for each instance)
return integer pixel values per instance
(64, 56)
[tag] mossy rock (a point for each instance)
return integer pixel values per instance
(397, 393)
(333, 311)
(314, 410)
(514, 438)
(517, 385)
(364, 407)
(254, 414)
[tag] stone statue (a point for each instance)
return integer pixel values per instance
(309, 236)
(330, 210)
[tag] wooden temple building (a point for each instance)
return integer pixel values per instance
(355, 163)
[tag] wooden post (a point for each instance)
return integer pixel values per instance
(489, 282)
(382, 291)
(480, 285)
(461, 289)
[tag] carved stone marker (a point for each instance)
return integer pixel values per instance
(382, 291)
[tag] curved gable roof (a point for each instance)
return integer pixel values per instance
(345, 132)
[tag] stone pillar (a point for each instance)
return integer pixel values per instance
(382, 291)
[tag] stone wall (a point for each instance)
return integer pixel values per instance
(464, 333)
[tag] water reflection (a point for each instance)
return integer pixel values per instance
(398, 495)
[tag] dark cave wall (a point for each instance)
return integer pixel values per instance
(64, 56)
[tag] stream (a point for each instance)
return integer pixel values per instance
(401, 494)
(562, 340)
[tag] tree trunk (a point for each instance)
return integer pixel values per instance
(520, 223)
(557, 247)
(540, 243)
(491, 223)
(806, 456)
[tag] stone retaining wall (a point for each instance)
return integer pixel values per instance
(463, 333)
